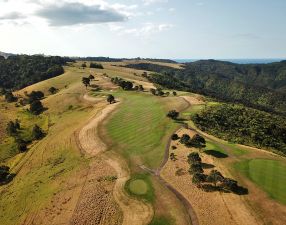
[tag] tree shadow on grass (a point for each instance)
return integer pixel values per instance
(216, 154)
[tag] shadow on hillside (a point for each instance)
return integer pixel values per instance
(216, 154)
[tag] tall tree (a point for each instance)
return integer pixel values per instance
(86, 81)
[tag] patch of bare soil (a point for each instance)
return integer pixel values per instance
(211, 208)
(194, 100)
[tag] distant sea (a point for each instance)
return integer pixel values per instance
(239, 61)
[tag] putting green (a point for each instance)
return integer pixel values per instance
(270, 175)
(138, 187)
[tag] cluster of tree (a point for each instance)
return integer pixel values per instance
(96, 65)
(98, 59)
(13, 129)
(20, 71)
(261, 86)
(160, 92)
(197, 141)
(36, 106)
(9, 97)
(126, 85)
(244, 125)
(214, 181)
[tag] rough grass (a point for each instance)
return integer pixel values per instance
(136, 189)
(140, 127)
(160, 221)
(270, 175)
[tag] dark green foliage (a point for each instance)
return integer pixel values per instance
(86, 81)
(243, 125)
(185, 139)
(173, 114)
(194, 157)
(197, 142)
(215, 177)
(174, 93)
(12, 128)
(175, 137)
(20, 71)
(53, 90)
(9, 97)
(21, 145)
(35, 95)
(196, 168)
(96, 65)
(125, 85)
(37, 133)
(110, 99)
(36, 107)
(199, 178)
(4, 173)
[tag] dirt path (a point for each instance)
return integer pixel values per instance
(134, 211)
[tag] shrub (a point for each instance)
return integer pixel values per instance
(36, 107)
(175, 137)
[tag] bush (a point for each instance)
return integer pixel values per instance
(96, 66)
(53, 90)
(9, 97)
(185, 139)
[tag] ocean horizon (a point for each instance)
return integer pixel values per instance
(238, 61)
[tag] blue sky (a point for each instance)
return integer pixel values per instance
(146, 28)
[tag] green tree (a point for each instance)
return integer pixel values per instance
(86, 81)
(185, 139)
(196, 168)
(110, 99)
(173, 114)
(37, 132)
(35, 95)
(4, 173)
(174, 93)
(36, 107)
(175, 137)
(215, 177)
(91, 77)
(194, 157)
(198, 179)
(11, 128)
(153, 91)
(53, 90)
(21, 145)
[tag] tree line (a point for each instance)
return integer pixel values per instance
(19, 71)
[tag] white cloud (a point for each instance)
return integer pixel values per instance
(149, 2)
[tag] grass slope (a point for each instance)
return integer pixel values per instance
(270, 175)
(140, 127)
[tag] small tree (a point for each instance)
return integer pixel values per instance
(160, 92)
(215, 177)
(36, 107)
(37, 132)
(35, 95)
(91, 77)
(194, 157)
(11, 128)
(53, 90)
(185, 139)
(174, 93)
(173, 114)
(21, 145)
(4, 173)
(196, 168)
(86, 81)
(199, 178)
(110, 99)
(197, 141)
(175, 137)
(83, 65)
